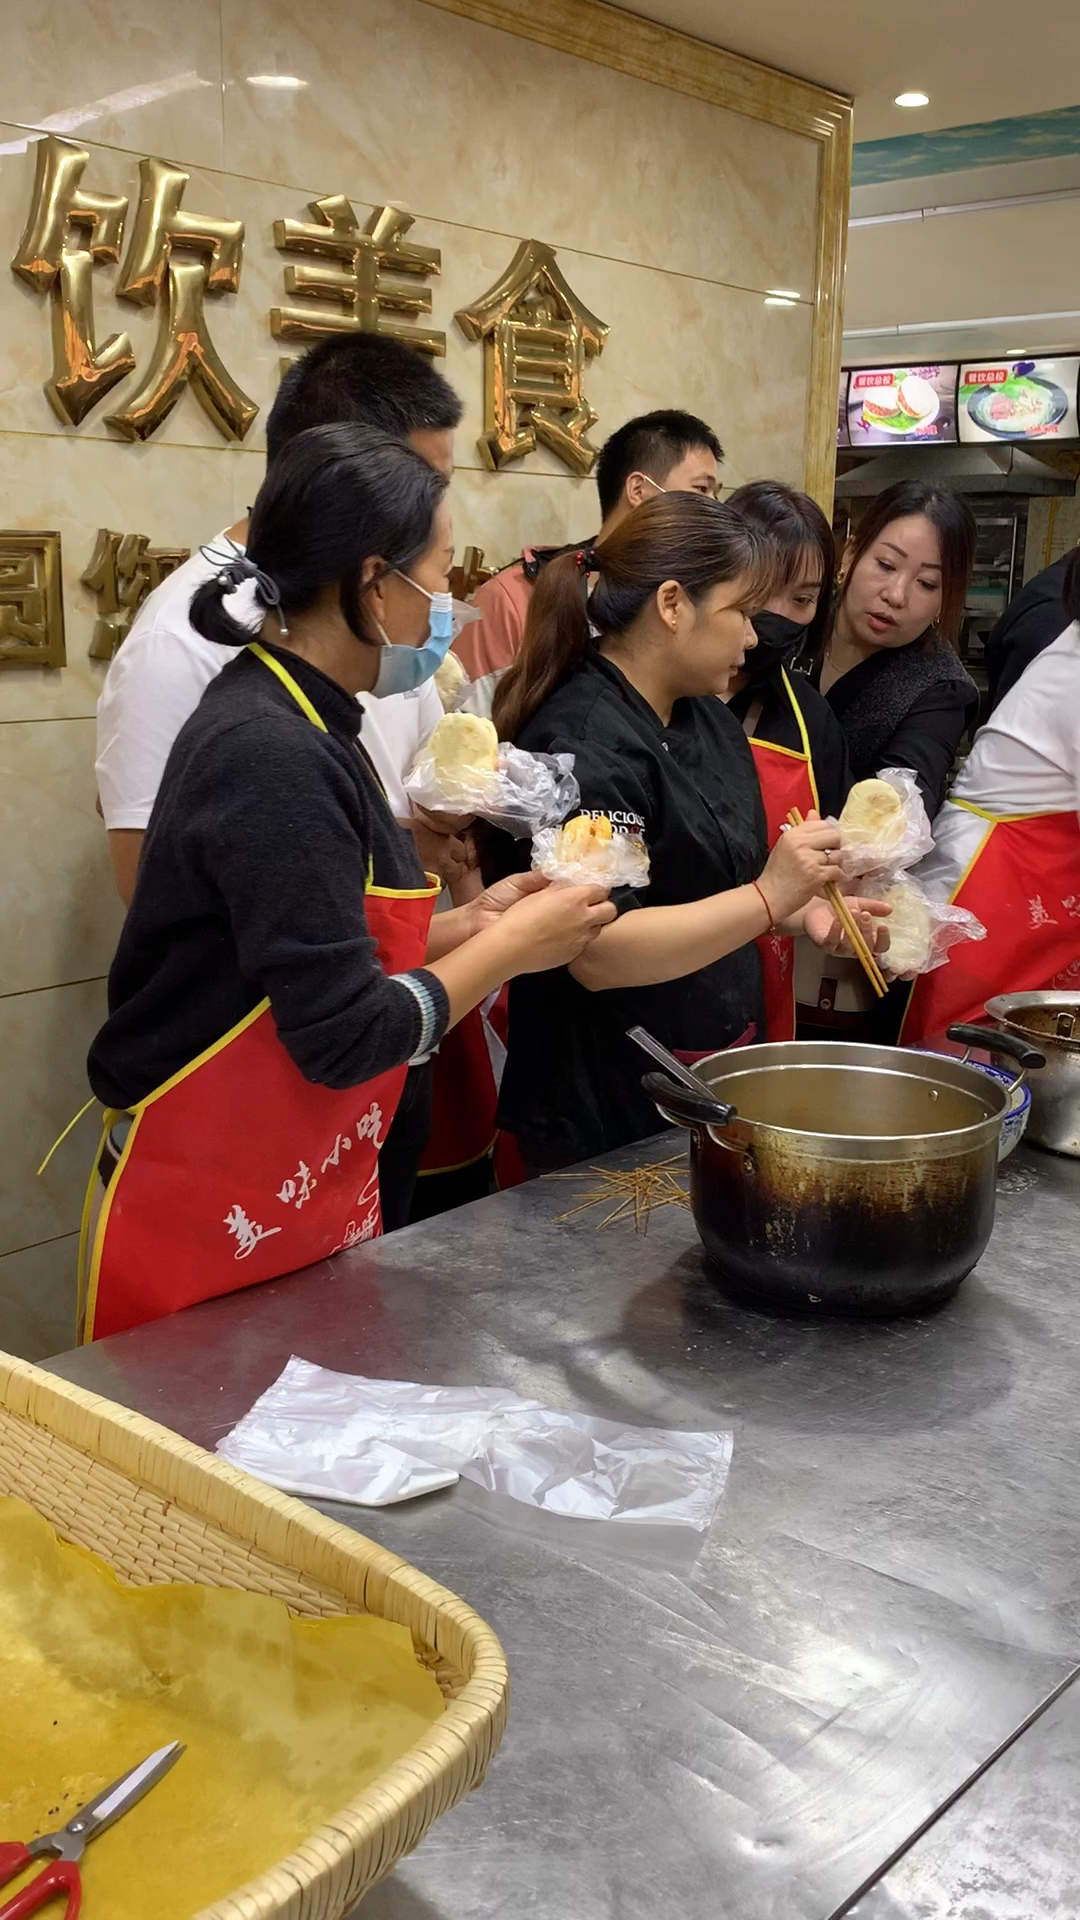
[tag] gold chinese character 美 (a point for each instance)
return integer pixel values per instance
(123, 569)
(353, 294)
(82, 372)
(184, 354)
(31, 600)
(536, 336)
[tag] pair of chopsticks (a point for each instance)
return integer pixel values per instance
(850, 925)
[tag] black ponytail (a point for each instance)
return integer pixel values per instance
(334, 497)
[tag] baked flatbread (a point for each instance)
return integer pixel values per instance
(910, 929)
(873, 815)
(462, 746)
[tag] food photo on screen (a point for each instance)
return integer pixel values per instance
(891, 404)
(1019, 399)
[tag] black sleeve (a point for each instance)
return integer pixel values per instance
(288, 847)
(927, 738)
(1031, 633)
(828, 751)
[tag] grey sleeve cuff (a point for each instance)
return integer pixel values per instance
(429, 995)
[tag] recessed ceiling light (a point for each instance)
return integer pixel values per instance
(781, 293)
(912, 100)
(286, 80)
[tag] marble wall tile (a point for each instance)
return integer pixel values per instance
(509, 134)
(44, 1038)
(503, 513)
(178, 496)
(38, 1289)
(61, 914)
(147, 78)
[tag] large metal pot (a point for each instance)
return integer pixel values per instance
(836, 1178)
(1050, 1021)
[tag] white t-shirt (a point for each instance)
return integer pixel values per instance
(1027, 757)
(161, 672)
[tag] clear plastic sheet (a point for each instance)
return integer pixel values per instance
(861, 854)
(946, 926)
(339, 1436)
(622, 861)
(525, 793)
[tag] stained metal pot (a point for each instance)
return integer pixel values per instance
(1050, 1021)
(843, 1179)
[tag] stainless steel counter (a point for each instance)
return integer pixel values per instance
(890, 1588)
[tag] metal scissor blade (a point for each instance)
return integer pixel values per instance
(115, 1800)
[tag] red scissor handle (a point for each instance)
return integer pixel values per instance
(56, 1877)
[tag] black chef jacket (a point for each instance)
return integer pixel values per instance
(572, 1085)
(925, 732)
(778, 725)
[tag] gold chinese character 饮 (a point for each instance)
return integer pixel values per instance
(536, 336)
(82, 372)
(184, 354)
(123, 569)
(353, 295)
(31, 600)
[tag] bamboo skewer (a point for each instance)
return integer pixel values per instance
(847, 920)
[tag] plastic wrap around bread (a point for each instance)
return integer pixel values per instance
(464, 769)
(883, 825)
(589, 850)
(451, 683)
(922, 930)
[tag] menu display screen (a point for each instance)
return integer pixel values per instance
(1019, 399)
(841, 417)
(888, 406)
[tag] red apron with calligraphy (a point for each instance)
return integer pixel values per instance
(239, 1170)
(1024, 885)
(464, 1096)
(787, 780)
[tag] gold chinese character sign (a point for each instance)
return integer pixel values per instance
(123, 569)
(352, 294)
(82, 372)
(185, 354)
(537, 336)
(31, 600)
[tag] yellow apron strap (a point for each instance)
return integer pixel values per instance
(803, 736)
(59, 1141)
(287, 680)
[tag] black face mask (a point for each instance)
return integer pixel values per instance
(778, 640)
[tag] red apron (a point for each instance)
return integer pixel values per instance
(787, 780)
(1023, 883)
(464, 1097)
(238, 1170)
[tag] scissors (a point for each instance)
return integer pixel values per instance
(61, 1874)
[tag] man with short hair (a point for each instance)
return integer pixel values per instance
(160, 673)
(664, 452)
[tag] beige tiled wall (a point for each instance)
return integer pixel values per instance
(673, 220)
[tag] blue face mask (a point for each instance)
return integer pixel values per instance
(403, 669)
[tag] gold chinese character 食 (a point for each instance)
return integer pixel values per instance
(82, 372)
(353, 295)
(184, 354)
(123, 569)
(31, 600)
(536, 336)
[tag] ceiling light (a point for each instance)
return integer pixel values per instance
(285, 80)
(912, 100)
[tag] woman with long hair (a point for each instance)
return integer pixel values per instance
(1007, 843)
(626, 679)
(889, 668)
(795, 737)
(279, 970)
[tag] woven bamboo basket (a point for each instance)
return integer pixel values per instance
(158, 1510)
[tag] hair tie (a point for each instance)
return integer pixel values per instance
(588, 560)
(239, 567)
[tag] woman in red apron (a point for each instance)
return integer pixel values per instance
(795, 738)
(279, 968)
(627, 680)
(1007, 845)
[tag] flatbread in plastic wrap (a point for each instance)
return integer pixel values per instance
(922, 930)
(465, 769)
(883, 825)
(587, 851)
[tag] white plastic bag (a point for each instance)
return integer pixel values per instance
(524, 793)
(622, 861)
(937, 928)
(860, 854)
(339, 1436)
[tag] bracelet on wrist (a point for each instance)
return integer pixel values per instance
(770, 926)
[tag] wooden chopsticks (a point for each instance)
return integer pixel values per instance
(850, 925)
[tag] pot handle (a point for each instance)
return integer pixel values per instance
(686, 1109)
(992, 1040)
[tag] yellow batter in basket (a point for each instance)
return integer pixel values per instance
(285, 1720)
